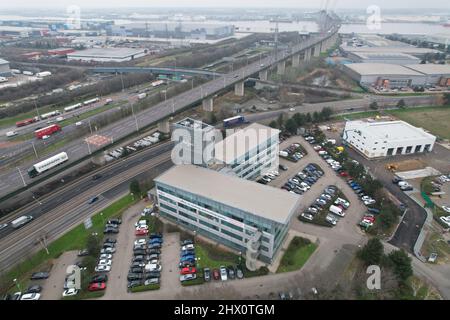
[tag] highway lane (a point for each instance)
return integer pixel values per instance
(71, 209)
(12, 179)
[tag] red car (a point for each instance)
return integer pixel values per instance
(188, 270)
(370, 218)
(216, 274)
(141, 232)
(97, 286)
(344, 174)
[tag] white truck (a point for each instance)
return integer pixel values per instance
(336, 210)
(142, 96)
(17, 223)
(11, 133)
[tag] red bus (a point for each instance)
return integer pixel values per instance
(47, 131)
(25, 122)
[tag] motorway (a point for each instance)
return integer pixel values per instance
(13, 179)
(65, 208)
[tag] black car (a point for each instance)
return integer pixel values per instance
(115, 221)
(396, 180)
(155, 235)
(96, 176)
(99, 278)
(109, 240)
(39, 275)
(207, 274)
(153, 251)
(186, 242)
(92, 200)
(108, 245)
(231, 272)
(110, 230)
(152, 274)
(154, 246)
(186, 264)
(134, 283)
(137, 270)
(137, 264)
(283, 167)
(139, 252)
(34, 289)
(83, 253)
(134, 276)
(187, 252)
(153, 256)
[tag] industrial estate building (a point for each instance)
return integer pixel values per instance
(405, 49)
(241, 214)
(387, 138)
(176, 30)
(390, 76)
(250, 152)
(383, 57)
(4, 68)
(107, 54)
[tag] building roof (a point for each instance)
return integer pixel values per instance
(106, 52)
(193, 124)
(384, 55)
(430, 68)
(370, 69)
(392, 130)
(3, 61)
(238, 143)
(252, 197)
(405, 49)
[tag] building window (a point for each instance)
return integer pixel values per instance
(408, 149)
(232, 235)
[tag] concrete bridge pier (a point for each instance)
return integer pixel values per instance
(317, 50)
(307, 54)
(208, 104)
(164, 126)
(263, 75)
(295, 60)
(239, 89)
(281, 67)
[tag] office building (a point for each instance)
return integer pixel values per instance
(234, 212)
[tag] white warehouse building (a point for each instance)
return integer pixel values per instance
(387, 138)
(107, 54)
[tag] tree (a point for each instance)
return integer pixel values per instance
(93, 245)
(374, 105)
(401, 104)
(135, 188)
(273, 124)
(308, 118)
(316, 117)
(326, 112)
(291, 126)
(299, 119)
(401, 264)
(372, 253)
(280, 120)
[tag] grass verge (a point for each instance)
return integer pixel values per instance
(296, 255)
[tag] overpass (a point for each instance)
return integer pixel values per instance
(13, 179)
(156, 70)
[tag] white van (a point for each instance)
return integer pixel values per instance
(11, 133)
(337, 211)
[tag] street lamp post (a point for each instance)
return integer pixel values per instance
(16, 282)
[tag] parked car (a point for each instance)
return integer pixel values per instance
(216, 274)
(30, 296)
(99, 278)
(151, 281)
(70, 292)
(187, 277)
(239, 273)
(188, 270)
(102, 268)
(97, 286)
(83, 253)
(207, 274)
(34, 289)
(223, 273)
(39, 275)
(188, 247)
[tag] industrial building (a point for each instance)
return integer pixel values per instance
(383, 57)
(241, 214)
(107, 54)
(4, 68)
(250, 152)
(176, 30)
(388, 138)
(406, 49)
(434, 74)
(384, 75)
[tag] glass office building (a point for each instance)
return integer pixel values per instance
(251, 152)
(225, 208)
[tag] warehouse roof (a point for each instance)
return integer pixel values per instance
(384, 55)
(238, 143)
(401, 49)
(430, 68)
(392, 130)
(257, 199)
(368, 69)
(106, 52)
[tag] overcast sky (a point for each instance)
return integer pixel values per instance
(335, 4)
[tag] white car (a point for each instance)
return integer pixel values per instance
(106, 256)
(79, 123)
(187, 247)
(331, 219)
(140, 242)
(105, 262)
(446, 208)
(30, 296)
(223, 273)
(153, 267)
(107, 250)
(45, 137)
(366, 198)
(142, 222)
(102, 268)
(70, 292)
(307, 216)
(369, 202)
(446, 220)
(142, 227)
